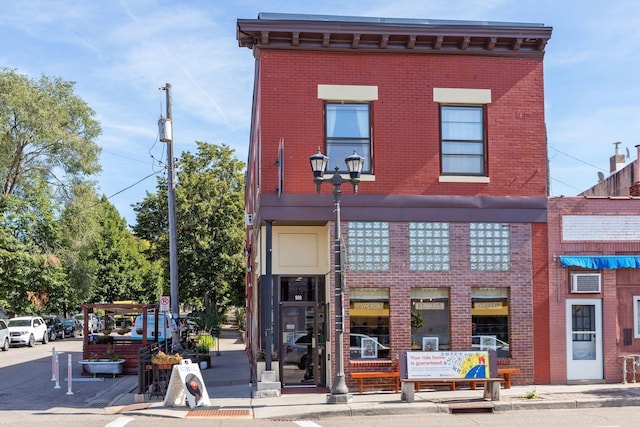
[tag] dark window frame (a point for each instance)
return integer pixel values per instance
(448, 145)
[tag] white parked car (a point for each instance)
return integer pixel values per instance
(27, 330)
(4, 335)
(93, 322)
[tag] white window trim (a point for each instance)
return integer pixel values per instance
(347, 93)
(465, 179)
(636, 316)
(461, 96)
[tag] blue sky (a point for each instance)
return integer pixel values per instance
(120, 52)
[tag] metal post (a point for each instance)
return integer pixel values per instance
(339, 390)
(173, 242)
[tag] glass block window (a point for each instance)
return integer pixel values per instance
(490, 246)
(368, 245)
(429, 246)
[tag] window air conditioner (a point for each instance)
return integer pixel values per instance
(585, 283)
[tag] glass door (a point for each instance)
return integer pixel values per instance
(584, 339)
(302, 345)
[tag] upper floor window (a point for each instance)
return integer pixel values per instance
(463, 143)
(348, 128)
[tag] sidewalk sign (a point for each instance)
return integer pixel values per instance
(186, 381)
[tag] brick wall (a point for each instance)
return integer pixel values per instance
(615, 304)
(459, 280)
(405, 119)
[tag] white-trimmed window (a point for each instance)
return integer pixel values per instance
(348, 129)
(462, 140)
(636, 316)
(368, 246)
(490, 246)
(430, 318)
(370, 319)
(429, 246)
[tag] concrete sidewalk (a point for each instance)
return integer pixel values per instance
(229, 388)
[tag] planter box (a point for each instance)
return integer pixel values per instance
(102, 366)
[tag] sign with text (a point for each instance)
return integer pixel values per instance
(165, 303)
(186, 381)
(447, 364)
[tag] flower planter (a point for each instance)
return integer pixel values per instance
(102, 366)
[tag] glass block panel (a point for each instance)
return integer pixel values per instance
(368, 246)
(490, 246)
(432, 240)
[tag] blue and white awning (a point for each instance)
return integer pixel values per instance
(600, 262)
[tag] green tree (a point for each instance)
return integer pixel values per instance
(46, 146)
(210, 228)
(122, 272)
(46, 133)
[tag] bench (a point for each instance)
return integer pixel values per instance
(362, 376)
(506, 374)
(491, 386)
(410, 372)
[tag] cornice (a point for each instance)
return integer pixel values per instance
(357, 34)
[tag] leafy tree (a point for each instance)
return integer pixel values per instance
(46, 146)
(210, 228)
(46, 133)
(122, 272)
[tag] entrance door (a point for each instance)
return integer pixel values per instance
(584, 339)
(302, 326)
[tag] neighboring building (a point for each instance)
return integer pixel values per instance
(446, 240)
(594, 287)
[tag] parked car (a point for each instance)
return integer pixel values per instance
(26, 330)
(93, 322)
(72, 328)
(372, 348)
(166, 325)
(54, 327)
(4, 335)
(295, 352)
(484, 342)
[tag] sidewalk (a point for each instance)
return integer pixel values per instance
(227, 383)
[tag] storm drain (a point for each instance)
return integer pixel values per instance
(471, 407)
(219, 413)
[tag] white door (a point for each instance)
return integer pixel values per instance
(584, 339)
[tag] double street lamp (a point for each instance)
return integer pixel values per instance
(339, 390)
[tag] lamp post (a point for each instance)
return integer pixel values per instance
(339, 390)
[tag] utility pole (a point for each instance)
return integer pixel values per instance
(166, 135)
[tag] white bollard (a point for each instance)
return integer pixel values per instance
(57, 373)
(69, 375)
(53, 363)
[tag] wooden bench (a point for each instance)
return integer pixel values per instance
(506, 374)
(491, 386)
(409, 385)
(362, 376)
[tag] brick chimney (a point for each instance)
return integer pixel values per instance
(634, 190)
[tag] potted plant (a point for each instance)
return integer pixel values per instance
(111, 363)
(165, 361)
(204, 355)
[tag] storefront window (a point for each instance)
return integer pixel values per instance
(369, 314)
(490, 320)
(430, 327)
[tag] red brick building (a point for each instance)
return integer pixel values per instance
(594, 287)
(445, 243)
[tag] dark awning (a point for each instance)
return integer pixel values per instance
(600, 262)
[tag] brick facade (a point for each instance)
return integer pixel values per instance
(405, 66)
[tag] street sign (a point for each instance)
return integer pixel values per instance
(165, 303)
